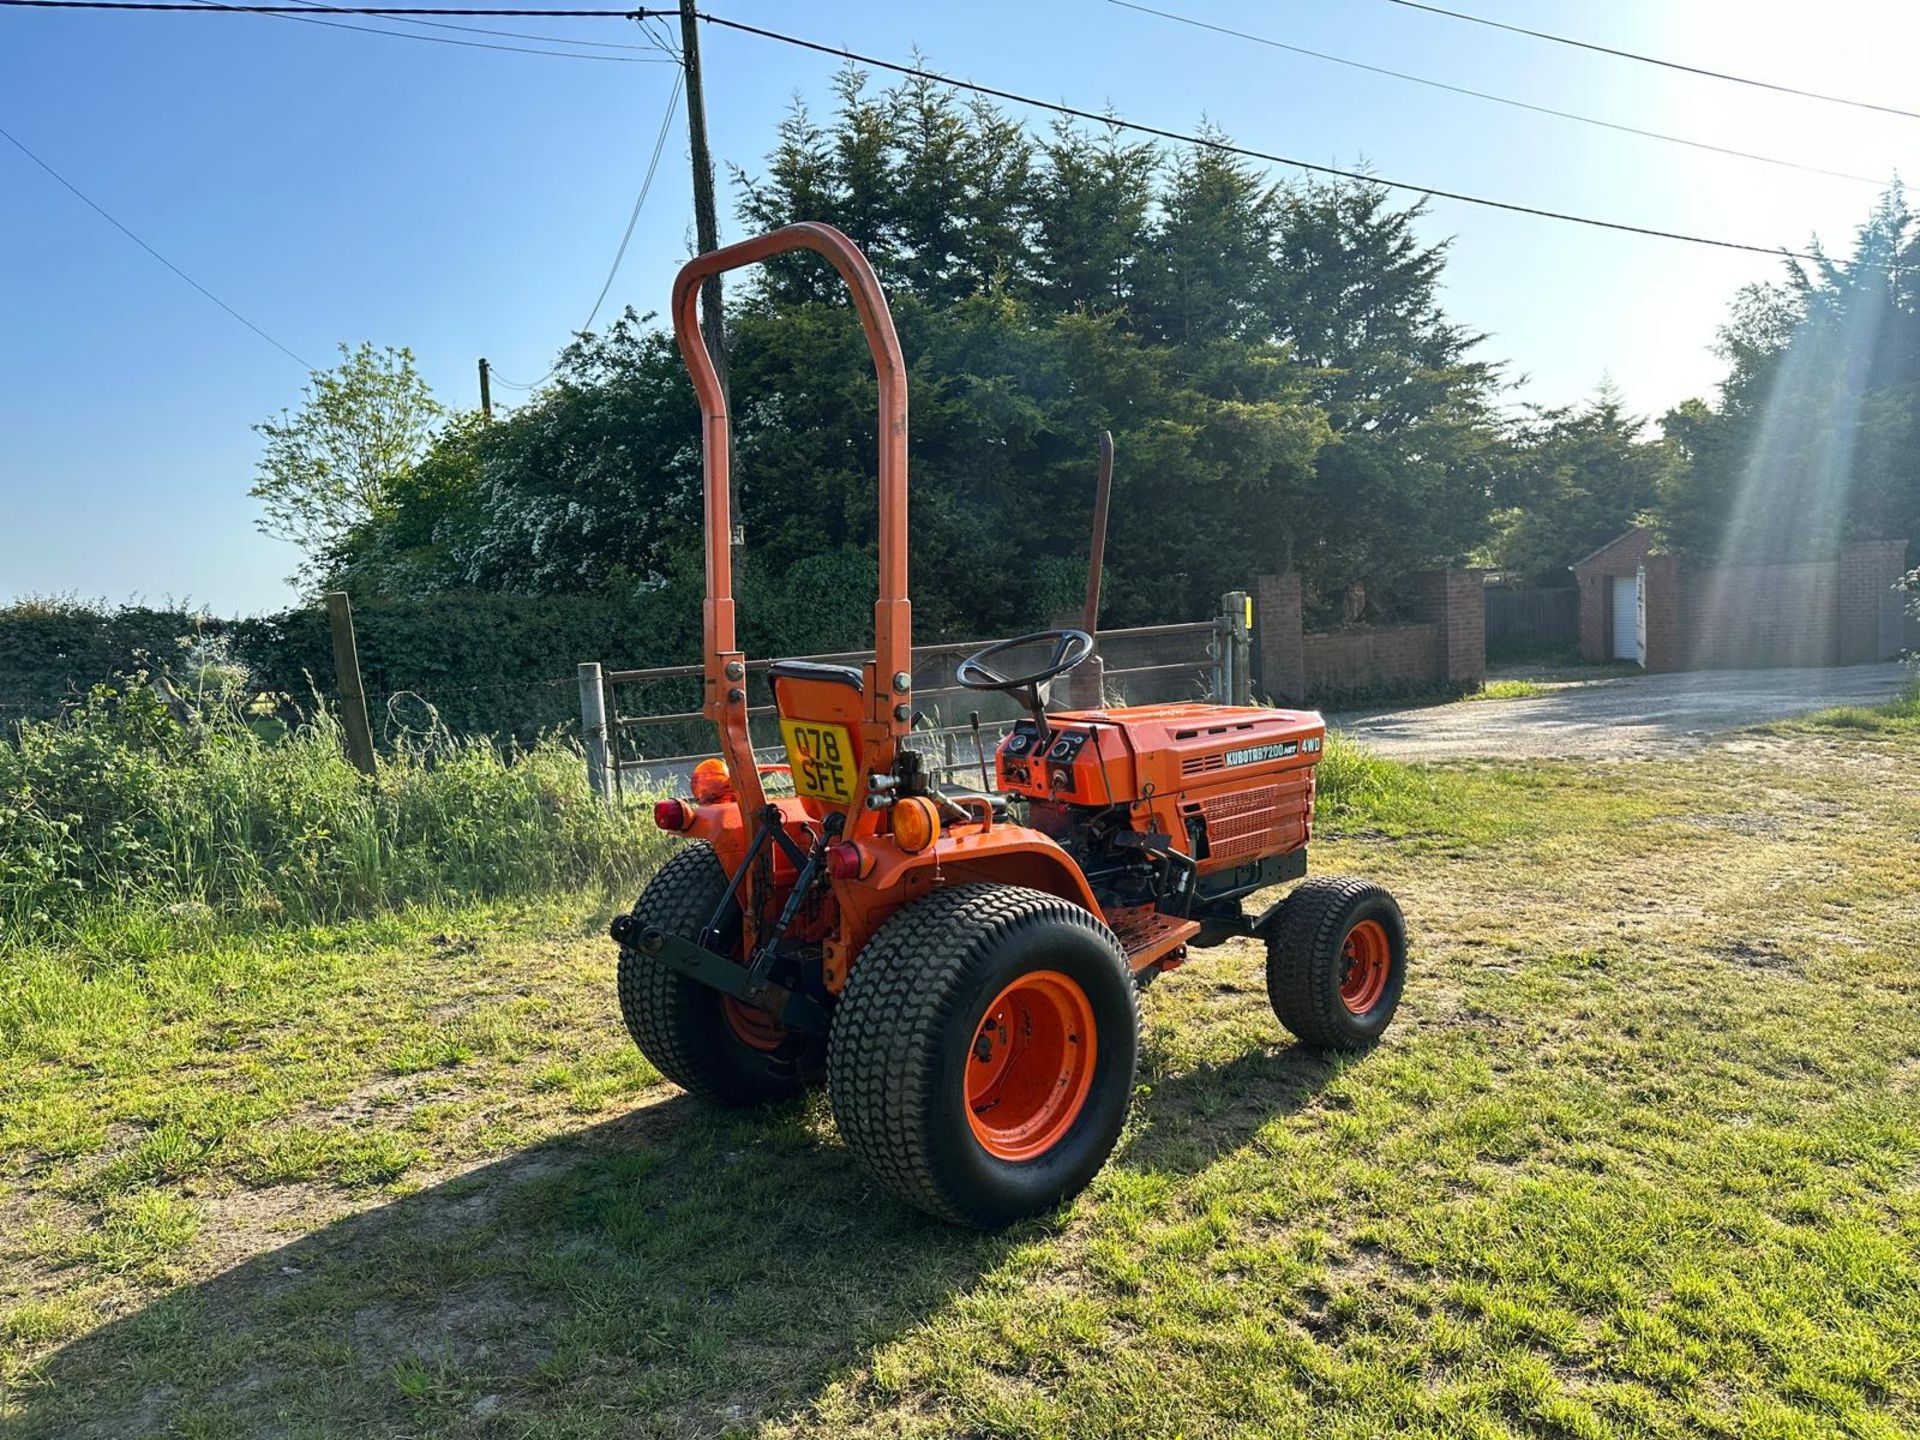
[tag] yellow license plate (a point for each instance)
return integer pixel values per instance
(822, 757)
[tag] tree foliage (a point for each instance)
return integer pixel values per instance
(1813, 439)
(1283, 385)
(329, 467)
(1579, 476)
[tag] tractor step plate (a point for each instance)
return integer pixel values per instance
(1147, 935)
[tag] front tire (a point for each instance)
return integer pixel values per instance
(1337, 962)
(983, 1053)
(703, 1041)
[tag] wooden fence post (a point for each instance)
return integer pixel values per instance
(346, 674)
(593, 727)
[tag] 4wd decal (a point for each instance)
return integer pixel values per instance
(1254, 754)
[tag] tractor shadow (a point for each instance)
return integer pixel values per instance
(673, 1272)
(1186, 1121)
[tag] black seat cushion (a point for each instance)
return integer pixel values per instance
(814, 670)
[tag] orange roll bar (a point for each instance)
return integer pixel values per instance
(726, 702)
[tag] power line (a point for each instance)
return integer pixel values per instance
(646, 20)
(102, 213)
(1656, 60)
(508, 34)
(639, 201)
(498, 379)
(303, 14)
(1207, 142)
(194, 7)
(1496, 99)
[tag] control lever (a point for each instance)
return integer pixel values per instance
(979, 749)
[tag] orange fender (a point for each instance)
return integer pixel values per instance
(969, 854)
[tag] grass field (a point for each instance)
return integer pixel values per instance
(1641, 1157)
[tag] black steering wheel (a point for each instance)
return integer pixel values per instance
(1070, 647)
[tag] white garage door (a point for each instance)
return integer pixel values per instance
(1626, 618)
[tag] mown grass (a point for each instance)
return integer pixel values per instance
(1640, 1158)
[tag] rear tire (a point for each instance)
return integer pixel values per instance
(684, 1028)
(1337, 962)
(959, 1065)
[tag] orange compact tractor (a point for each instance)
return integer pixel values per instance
(967, 963)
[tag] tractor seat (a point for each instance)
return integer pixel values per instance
(814, 670)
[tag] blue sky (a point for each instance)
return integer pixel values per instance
(338, 186)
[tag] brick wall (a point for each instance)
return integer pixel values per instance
(1869, 569)
(1594, 594)
(1456, 601)
(1665, 650)
(1279, 651)
(1754, 616)
(1445, 647)
(1366, 657)
(1823, 612)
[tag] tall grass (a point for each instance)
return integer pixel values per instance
(1354, 789)
(119, 806)
(120, 809)
(1900, 713)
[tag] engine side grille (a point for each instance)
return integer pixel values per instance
(1200, 764)
(1241, 824)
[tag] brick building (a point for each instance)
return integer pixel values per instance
(1639, 603)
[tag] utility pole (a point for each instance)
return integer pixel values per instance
(486, 389)
(706, 227)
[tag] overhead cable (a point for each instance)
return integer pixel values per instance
(1624, 129)
(1214, 143)
(103, 213)
(1656, 60)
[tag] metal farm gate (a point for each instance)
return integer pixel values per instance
(643, 729)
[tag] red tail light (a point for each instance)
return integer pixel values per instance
(845, 860)
(672, 814)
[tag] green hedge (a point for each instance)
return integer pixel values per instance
(489, 664)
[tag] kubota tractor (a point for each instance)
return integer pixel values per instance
(967, 963)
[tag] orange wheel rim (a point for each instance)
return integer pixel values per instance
(1031, 1065)
(1367, 960)
(752, 1026)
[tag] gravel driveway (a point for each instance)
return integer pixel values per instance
(1629, 717)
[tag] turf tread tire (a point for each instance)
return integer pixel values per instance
(917, 982)
(677, 1021)
(1304, 961)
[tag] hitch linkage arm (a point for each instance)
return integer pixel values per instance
(703, 961)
